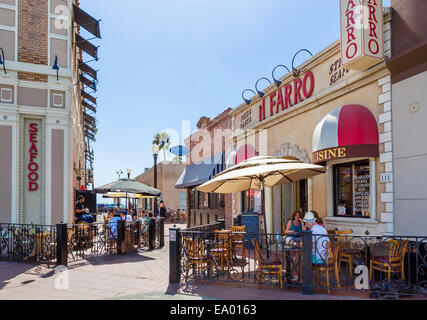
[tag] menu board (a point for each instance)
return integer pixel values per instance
(361, 187)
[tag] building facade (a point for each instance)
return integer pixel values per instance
(326, 113)
(408, 115)
(210, 147)
(46, 109)
(168, 173)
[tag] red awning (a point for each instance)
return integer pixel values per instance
(349, 131)
(245, 152)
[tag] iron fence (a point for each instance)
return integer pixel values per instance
(62, 243)
(86, 241)
(28, 242)
(376, 266)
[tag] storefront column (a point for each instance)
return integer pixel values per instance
(269, 209)
(309, 194)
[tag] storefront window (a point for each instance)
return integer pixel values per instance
(352, 189)
(251, 201)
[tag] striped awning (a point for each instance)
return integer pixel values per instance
(350, 131)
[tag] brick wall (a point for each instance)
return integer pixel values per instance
(33, 31)
(213, 136)
(32, 77)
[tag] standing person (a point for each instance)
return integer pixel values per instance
(320, 237)
(162, 209)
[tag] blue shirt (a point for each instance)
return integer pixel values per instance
(112, 224)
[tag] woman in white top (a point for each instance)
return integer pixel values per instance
(320, 236)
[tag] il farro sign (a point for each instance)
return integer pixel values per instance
(361, 33)
(285, 97)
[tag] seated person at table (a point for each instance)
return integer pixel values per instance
(126, 216)
(294, 229)
(112, 224)
(110, 214)
(82, 213)
(320, 237)
(134, 217)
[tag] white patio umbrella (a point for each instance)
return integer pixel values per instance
(260, 172)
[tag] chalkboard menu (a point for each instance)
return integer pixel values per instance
(251, 221)
(361, 190)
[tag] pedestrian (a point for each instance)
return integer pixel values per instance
(162, 209)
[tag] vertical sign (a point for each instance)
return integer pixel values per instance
(32, 170)
(362, 44)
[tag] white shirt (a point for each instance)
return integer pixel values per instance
(319, 241)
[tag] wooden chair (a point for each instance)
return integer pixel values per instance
(195, 259)
(273, 267)
(391, 263)
(222, 248)
(329, 266)
(237, 239)
(347, 253)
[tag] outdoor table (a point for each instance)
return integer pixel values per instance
(286, 251)
(283, 252)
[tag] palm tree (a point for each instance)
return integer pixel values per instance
(162, 139)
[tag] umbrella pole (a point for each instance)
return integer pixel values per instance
(263, 215)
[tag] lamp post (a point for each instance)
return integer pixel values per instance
(155, 150)
(128, 170)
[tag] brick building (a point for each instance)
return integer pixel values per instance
(210, 147)
(47, 109)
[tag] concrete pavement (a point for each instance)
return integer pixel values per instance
(139, 275)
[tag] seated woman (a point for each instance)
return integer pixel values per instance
(294, 229)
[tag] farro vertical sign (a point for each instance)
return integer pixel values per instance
(362, 44)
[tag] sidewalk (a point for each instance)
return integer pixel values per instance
(141, 275)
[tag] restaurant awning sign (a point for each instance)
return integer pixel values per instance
(362, 44)
(350, 131)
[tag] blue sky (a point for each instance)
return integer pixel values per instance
(167, 61)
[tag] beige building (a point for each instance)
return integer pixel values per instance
(167, 174)
(332, 116)
(46, 109)
(408, 116)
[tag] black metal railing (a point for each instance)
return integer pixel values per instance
(62, 243)
(28, 242)
(376, 266)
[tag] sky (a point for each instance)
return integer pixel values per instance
(163, 62)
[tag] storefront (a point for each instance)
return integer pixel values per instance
(331, 116)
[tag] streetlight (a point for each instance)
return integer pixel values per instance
(128, 170)
(119, 173)
(155, 150)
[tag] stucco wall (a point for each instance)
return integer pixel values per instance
(410, 154)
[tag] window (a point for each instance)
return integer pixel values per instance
(251, 201)
(352, 189)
